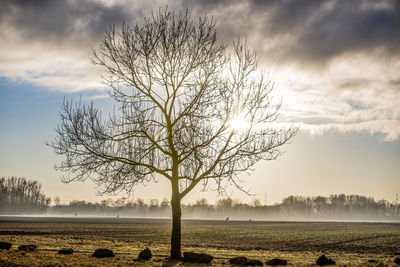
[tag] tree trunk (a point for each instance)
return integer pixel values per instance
(176, 223)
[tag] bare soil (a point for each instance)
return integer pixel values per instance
(348, 243)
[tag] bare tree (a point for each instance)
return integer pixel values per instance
(19, 195)
(186, 110)
(57, 200)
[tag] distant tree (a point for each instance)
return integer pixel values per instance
(154, 203)
(203, 203)
(17, 195)
(187, 111)
(140, 203)
(164, 203)
(120, 202)
(57, 200)
(104, 203)
(320, 203)
(236, 202)
(256, 202)
(338, 202)
(224, 203)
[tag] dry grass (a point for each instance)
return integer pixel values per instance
(350, 244)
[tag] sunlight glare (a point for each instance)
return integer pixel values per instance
(239, 123)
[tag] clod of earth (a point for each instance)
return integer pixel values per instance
(5, 245)
(197, 257)
(276, 261)
(145, 254)
(243, 261)
(323, 260)
(27, 248)
(66, 251)
(103, 253)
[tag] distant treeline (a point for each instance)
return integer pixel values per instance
(19, 195)
(346, 207)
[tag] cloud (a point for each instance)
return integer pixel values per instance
(99, 96)
(323, 30)
(313, 31)
(48, 42)
(389, 130)
(61, 22)
(353, 91)
(336, 63)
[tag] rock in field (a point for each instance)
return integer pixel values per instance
(243, 261)
(5, 245)
(145, 254)
(197, 257)
(276, 261)
(103, 253)
(27, 248)
(323, 260)
(397, 261)
(238, 261)
(66, 251)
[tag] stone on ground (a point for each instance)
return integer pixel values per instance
(145, 254)
(276, 261)
(66, 251)
(197, 257)
(27, 248)
(103, 253)
(5, 245)
(323, 260)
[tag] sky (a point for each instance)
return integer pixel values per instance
(335, 64)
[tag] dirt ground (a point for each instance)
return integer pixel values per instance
(348, 243)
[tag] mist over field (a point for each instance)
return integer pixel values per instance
(291, 209)
(21, 197)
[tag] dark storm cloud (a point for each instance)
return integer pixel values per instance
(311, 30)
(59, 20)
(347, 26)
(318, 30)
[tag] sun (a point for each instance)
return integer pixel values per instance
(238, 123)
